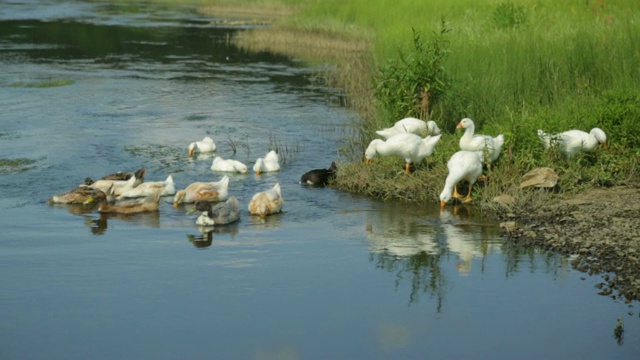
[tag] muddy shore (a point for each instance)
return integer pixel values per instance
(599, 228)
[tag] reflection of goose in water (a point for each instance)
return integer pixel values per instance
(100, 225)
(400, 234)
(464, 241)
(205, 238)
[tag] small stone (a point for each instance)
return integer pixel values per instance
(504, 199)
(539, 177)
(509, 226)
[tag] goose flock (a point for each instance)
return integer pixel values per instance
(405, 140)
(411, 139)
(129, 193)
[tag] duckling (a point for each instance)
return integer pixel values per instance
(220, 214)
(205, 145)
(205, 191)
(270, 162)
(266, 202)
(133, 206)
(319, 177)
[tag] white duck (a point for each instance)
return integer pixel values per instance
(411, 125)
(270, 162)
(148, 188)
(220, 214)
(473, 142)
(203, 146)
(411, 147)
(228, 165)
(267, 202)
(463, 165)
(117, 187)
(205, 191)
(572, 142)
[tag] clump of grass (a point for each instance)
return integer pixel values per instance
(509, 15)
(286, 152)
(411, 84)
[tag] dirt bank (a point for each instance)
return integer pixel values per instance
(600, 227)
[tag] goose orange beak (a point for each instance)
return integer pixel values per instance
(442, 204)
(367, 161)
(190, 152)
(459, 125)
(604, 145)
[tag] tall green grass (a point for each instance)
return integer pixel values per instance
(512, 66)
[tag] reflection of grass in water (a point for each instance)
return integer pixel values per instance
(44, 83)
(164, 156)
(16, 166)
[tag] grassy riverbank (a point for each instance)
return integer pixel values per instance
(513, 67)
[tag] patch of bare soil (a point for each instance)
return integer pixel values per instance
(601, 228)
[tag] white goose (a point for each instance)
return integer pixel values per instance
(149, 188)
(117, 187)
(483, 143)
(269, 163)
(463, 165)
(203, 146)
(228, 165)
(411, 125)
(205, 191)
(572, 142)
(411, 147)
(267, 202)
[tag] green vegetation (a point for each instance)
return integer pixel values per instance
(16, 166)
(44, 83)
(513, 67)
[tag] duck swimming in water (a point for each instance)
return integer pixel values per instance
(319, 177)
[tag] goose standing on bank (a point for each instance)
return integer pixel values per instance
(411, 125)
(205, 145)
(491, 146)
(463, 165)
(411, 147)
(572, 142)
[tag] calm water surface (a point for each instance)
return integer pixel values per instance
(89, 88)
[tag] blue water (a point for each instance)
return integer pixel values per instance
(335, 276)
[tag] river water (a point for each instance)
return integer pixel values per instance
(88, 88)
